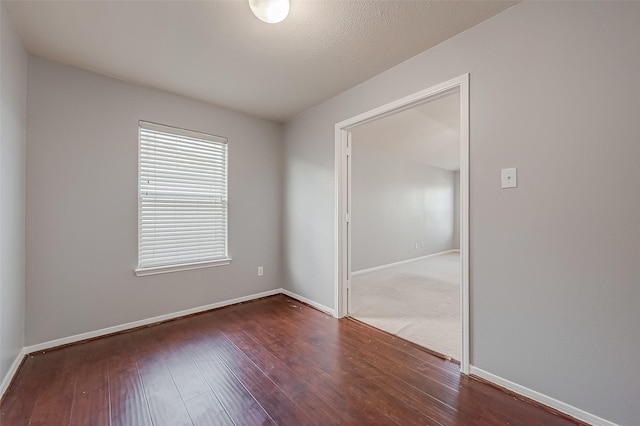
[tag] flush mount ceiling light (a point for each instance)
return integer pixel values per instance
(270, 11)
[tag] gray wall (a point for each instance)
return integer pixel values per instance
(456, 210)
(13, 119)
(555, 294)
(82, 154)
(396, 203)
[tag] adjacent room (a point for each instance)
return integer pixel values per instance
(172, 190)
(405, 225)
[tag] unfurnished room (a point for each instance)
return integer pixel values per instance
(319, 212)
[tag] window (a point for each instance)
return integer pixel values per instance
(182, 200)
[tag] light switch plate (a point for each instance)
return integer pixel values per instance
(509, 178)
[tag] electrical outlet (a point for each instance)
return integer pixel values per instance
(260, 271)
(422, 244)
(416, 246)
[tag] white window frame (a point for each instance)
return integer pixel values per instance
(164, 267)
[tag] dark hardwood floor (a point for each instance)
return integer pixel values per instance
(271, 361)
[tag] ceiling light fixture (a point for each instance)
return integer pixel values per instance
(270, 11)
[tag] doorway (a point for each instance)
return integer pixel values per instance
(345, 132)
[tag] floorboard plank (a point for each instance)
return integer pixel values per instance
(241, 406)
(311, 400)
(126, 393)
(165, 403)
(55, 394)
(206, 410)
(91, 405)
(21, 397)
(281, 408)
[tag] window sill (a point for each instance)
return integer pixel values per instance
(141, 272)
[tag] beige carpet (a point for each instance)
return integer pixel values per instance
(418, 301)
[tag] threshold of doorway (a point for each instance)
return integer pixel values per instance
(407, 342)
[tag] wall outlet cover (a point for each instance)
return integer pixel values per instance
(509, 177)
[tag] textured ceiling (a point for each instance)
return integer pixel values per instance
(218, 52)
(428, 133)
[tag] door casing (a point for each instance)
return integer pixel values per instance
(343, 197)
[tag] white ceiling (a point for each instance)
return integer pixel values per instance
(218, 52)
(428, 133)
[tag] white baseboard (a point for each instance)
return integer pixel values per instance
(389, 265)
(316, 305)
(541, 398)
(109, 330)
(6, 381)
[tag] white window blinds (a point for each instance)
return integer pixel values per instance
(182, 199)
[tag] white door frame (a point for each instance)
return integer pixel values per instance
(343, 198)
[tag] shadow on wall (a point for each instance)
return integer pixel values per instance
(304, 251)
